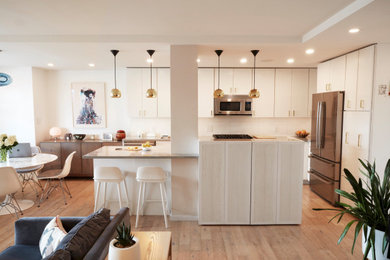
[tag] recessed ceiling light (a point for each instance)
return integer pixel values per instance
(354, 30)
(243, 60)
(290, 60)
(197, 60)
(91, 65)
(50, 64)
(149, 60)
(309, 51)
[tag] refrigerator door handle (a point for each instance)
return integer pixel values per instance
(317, 126)
(322, 124)
(322, 179)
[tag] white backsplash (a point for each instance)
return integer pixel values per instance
(249, 125)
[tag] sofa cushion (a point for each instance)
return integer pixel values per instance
(59, 254)
(20, 252)
(81, 237)
(51, 236)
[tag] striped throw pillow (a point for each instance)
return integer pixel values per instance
(52, 235)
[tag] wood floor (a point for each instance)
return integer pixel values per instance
(314, 239)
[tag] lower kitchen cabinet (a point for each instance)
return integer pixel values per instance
(52, 148)
(68, 148)
(87, 164)
(258, 183)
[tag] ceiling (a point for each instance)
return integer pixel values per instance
(70, 34)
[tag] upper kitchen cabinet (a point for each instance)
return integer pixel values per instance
(226, 81)
(265, 83)
(299, 92)
(164, 93)
(351, 76)
(205, 92)
(242, 81)
(365, 78)
(138, 82)
(331, 75)
(312, 89)
(291, 92)
(283, 92)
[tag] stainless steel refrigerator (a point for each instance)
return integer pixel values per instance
(326, 142)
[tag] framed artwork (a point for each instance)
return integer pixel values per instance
(89, 104)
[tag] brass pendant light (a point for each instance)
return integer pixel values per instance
(115, 93)
(254, 93)
(151, 93)
(218, 93)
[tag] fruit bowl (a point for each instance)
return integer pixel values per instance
(302, 133)
(79, 136)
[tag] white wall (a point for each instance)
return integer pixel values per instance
(16, 105)
(380, 126)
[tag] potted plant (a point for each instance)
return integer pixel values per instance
(370, 205)
(124, 245)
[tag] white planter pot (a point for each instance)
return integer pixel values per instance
(378, 245)
(129, 253)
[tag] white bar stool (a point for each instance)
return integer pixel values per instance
(151, 175)
(109, 175)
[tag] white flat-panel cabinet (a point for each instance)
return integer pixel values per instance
(265, 83)
(164, 93)
(356, 134)
(205, 92)
(242, 81)
(290, 168)
(283, 92)
(331, 75)
(226, 81)
(134, 88)
(149, 105)
(312, 89)
(238, 181)
(351, 76)
(212, 183)
(264, 183)
(365, 78)
(299, 92)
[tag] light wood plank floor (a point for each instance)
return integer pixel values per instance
(314, 239)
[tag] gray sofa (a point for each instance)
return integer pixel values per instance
(28, 232)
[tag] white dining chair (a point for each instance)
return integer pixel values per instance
(29, 175)
(51, 176)
(9, 185)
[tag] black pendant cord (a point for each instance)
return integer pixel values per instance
(151, 84)
(115, 71)
(254, 52)
(219, 52)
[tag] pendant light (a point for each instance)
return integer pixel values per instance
(115, 93)
(254, 93)
(151, 93)
(218, 93)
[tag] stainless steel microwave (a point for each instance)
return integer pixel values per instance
(233, 105)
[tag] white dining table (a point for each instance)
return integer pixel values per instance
(27, 162)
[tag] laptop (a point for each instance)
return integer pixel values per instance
(21, 150)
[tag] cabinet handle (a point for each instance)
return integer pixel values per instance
(139, 113)
(235, 90)
(144, 112)
(346, 138)
(293, 112)
(253, 113)
(359, 137)
(348, 103)
(361, 103)
(289, 113)
(231, 90)
(211, 112)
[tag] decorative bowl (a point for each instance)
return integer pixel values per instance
(79, 136)
(302, 135)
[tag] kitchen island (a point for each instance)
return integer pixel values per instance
(250, 182)
(128, 161)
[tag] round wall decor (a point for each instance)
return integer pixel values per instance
(5, 79)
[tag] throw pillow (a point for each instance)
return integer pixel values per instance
(52, 235)
(59, 254)
(83, 236)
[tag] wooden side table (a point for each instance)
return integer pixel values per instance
(155, 245)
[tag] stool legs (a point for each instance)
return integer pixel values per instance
(138, 204)
(163, 204)
(118, 185)
(97, 196)
(127, 197)
(104, 194)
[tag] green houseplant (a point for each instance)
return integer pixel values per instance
(370, 206)
(125, 245)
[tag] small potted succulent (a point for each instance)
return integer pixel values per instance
(124, 245)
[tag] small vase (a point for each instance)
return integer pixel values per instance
(3, 155)
(133, 252)
(378, 245)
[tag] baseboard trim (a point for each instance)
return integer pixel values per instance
(183, 218)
